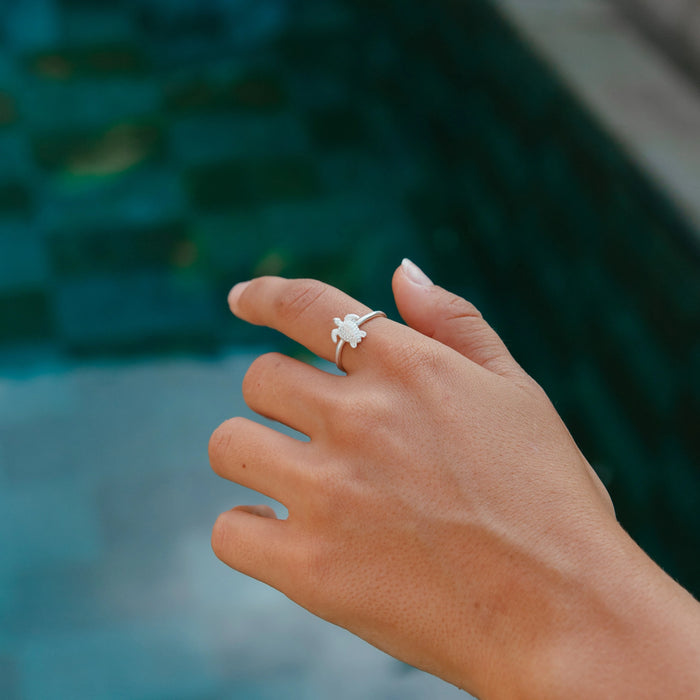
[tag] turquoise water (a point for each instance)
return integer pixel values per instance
(152, 154)
(109, 586)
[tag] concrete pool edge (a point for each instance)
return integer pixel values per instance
(636, 93)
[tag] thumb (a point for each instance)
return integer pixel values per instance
(450, 319)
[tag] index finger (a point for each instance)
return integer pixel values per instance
(304, 310)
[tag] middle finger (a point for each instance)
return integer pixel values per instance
(290, 392)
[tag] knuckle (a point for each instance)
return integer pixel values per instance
(459, 308)
(297, 297)
(417, 361)
(258, 374)
(360, 413)
(328, 496)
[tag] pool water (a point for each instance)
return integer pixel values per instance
(152, 154)
(109, 586)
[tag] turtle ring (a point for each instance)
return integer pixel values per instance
(348, 331)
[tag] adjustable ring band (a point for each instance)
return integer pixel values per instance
(348, 331)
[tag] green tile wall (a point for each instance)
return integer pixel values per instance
(155, 153)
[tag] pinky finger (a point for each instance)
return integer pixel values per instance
(251, 540)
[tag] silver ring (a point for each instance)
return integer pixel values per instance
(348, 331)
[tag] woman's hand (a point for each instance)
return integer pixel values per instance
(440, 509)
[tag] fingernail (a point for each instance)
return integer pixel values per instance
(235, 294)
(414, 273)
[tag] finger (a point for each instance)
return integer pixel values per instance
(451, 320)
(254, 545)
(261, 510)
(259, 458)
(289, 391)
(304, 310)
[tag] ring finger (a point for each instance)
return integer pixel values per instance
(259, 458)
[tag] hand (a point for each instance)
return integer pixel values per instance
(440, 509)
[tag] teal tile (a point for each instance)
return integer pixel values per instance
(25, 315)
(96, 23)
(231, 245)
(113, 250)
(16, 152)
(221, 187)
(112, 150)
(8, 109)
(259, 92)
(303, 46)
(142, 198)
(106, 60)
(286, 177)
(15, 199)
(33, 24)
(203, 139)
(338, 127)
(23, 263)
(135, 310)
(246, 183)
(88, 104)
(194, 95)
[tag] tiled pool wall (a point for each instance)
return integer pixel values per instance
(155, 152)
(590, 275)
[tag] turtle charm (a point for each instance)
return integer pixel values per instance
(348, 330)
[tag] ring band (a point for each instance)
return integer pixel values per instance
(348, 331)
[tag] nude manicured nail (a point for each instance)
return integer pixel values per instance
(414, 273)
(235, 293)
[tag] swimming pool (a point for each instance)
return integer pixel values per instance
(110, 588)
(155, 153)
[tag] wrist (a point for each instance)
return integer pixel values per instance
(625, 630)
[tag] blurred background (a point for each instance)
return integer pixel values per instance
(540, 158)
